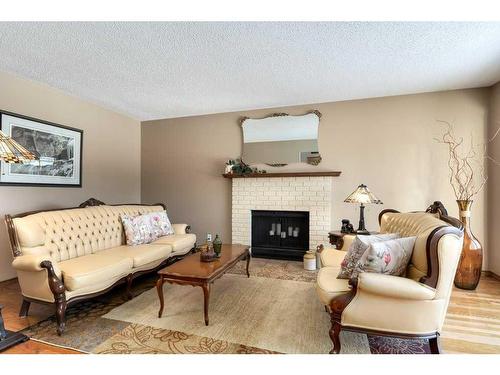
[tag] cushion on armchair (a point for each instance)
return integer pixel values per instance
(387, 257)
(357, 249)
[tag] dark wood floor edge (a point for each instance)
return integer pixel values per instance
(78, 351)
(491, 274)
(7, 280)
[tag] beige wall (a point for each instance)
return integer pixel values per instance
(111, 154)
(493, 184)
(386, 143)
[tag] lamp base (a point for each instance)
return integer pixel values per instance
(362, 231)
(11, 339)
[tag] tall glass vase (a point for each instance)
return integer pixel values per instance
(471, 259)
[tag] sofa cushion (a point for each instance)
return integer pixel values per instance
(141, 254)
(328, 286)
(181, 243)
(160, 223)
(138, 229)
(92, 269)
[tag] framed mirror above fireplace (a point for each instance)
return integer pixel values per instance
(280, 234)
(281, 139)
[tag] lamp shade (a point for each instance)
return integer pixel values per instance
(362, 195)
(13, 152)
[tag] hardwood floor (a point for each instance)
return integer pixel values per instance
(472, 323)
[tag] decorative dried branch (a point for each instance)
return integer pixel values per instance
(467, 169)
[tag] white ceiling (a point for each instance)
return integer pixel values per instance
(161, 70)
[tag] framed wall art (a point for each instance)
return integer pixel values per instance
(58, 150)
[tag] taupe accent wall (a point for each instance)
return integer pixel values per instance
(387, 143)
(111, 154)
(494, 183)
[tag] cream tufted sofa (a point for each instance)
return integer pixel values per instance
(64, 256)
(410, 306)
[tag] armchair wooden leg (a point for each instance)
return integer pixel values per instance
(435, 345)
(335, 336)
(23, 313)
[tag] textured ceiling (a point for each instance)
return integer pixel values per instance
(161, 70)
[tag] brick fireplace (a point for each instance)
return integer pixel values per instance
(302, 194)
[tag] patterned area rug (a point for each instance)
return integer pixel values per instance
(96, 326)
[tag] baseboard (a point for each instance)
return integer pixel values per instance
(491, 274)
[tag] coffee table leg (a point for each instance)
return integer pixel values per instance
(249, 257)
(206, 295)
(159, 289)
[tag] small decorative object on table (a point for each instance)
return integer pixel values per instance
(362, 195)
(347, 227)
(207, 253)
(467, 178)
(217, 245)
(310, 261)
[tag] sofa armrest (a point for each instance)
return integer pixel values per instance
(181, 228)
(33, 263)
(394, 287)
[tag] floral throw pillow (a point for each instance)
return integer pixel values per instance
(160, 223)
(357, 249)
(388, 257)
(138, 229)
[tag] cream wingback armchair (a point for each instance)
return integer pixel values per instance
(413, 306)
(67, 255)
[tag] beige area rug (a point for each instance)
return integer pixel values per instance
(271, 314)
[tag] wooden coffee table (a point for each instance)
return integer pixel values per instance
(192, 271)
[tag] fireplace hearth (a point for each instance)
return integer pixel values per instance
(280, 234)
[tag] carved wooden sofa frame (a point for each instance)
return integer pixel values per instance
(338, 304)
(56, 285)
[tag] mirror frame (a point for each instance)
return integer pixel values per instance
(282, 114)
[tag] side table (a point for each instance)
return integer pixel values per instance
(337, 238)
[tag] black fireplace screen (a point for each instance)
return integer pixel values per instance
(280, 234)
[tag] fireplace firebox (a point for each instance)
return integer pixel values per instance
(280, 234)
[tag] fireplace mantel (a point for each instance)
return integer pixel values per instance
(284, 174)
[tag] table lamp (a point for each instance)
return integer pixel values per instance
(363, 196)
(11, 152)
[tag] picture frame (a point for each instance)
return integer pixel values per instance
(59, 150)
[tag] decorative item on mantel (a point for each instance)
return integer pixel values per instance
(239, 167)
(362, 195)
(467, 178)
